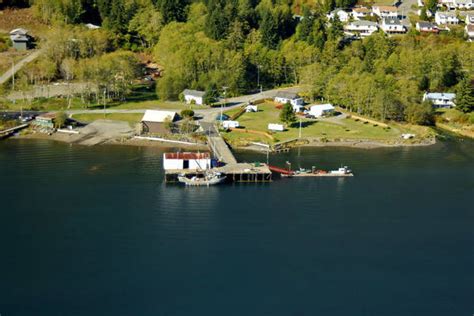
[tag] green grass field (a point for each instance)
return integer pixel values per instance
(333, 129)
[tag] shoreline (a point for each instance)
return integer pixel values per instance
(359, 144)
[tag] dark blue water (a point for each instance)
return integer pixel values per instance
(94, 231)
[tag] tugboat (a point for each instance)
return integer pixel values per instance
(206, 179)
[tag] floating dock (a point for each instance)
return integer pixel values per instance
(238, 172)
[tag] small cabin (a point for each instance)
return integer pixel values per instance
(194, 96)
(187, 160)
(155, 122)
(440, 100)
(46, 120)
(21, 40)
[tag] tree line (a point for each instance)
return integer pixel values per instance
(245, 45)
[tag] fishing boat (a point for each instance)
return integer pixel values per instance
(206, 179)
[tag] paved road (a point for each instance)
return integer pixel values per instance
(209, 115)
(9, 73)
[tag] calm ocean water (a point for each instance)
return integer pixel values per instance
(94, 231)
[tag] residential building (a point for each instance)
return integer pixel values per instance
(321, 110)
(427, 27)
(440, 100)
(384, 11)
(20, 38)
(186, 160)
(464, 4)
(392, 26)
(469, 29)
(362, 27)
(444, 18)
(361, 13)
(155, 122)
(45, 121)
(194, 96)
(469, 18)
(342, 15)
(289, 97)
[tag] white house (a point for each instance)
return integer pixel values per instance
(362, 27)
(420, 3)
(194, 96)
(385, 11)
(342, 15)
(443, 18)
(289, 97)
(392, 26)
(469, 29)
(230, 124)
(361, 13)
(276, 127)
(186, 160)
(458, 4)
(469, 18)
(440, 100)
(321, 110)
(427, 27)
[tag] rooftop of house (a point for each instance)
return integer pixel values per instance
(446, 14)
(470, 28)
(326, 106)
(440, 95)
(424, 24)
(187, 156)
(391, 21)
(287, 95)
(19, 31)
(46, 116)
(156, 116)
(361, 10)
(386, 8)
(363, 23)
(194, 93)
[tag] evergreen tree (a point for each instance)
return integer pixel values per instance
(465, 96)
(305, 27)
(217, 22)
(269, 30)
(287, 115)
(172, 10)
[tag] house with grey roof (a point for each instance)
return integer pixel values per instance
(391, 25)
(362, 27)
(194, 96)
(20, 38)
(440, 100)
(293, 98)
(427, 27)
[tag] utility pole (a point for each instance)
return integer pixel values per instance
(225, 101)
(258, 76)
(13, 74)
(300, 129)
(105, 92)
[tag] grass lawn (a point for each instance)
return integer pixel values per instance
(127, 117)
(142, 97)
(336, 129)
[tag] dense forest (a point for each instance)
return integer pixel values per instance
(247, 44)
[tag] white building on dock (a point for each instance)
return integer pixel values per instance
(186, 160)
